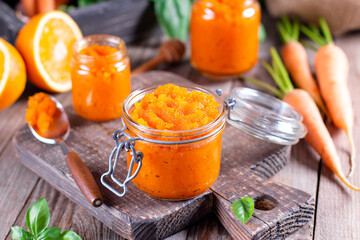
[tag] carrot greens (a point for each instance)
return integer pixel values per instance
(278, 72)
(288, 31)
(321, 38)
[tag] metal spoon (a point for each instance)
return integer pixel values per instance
(57, 133)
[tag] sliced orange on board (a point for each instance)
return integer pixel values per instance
(45, 43)
(12, 74)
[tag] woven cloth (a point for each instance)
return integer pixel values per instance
(341, 15)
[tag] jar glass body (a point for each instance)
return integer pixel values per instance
(176, 171)
(100, 84)
(224, 36)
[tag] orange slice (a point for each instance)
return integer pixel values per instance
(12, 74)
(45, 42)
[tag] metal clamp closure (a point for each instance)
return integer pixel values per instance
(229, 105)
(128, 145)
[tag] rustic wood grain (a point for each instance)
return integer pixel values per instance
(338, 211)
(65, 214)
(156, 218)
(132, 20)
(338, 206)
(16, 181)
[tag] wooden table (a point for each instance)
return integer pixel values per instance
(337, 207)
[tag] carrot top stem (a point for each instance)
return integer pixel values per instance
(288, 31)
(278, 72)
(265, 86)
(321, 38)
(309, 46)
(325, 30)
(282, 72)
(314, 36)
(275, 76)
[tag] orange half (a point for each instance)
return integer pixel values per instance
(12, 74)
(45, 43)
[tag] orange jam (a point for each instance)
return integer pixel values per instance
(171, 113)
(224, 36)
(40, 112)
(100, 77)
(173, 108)
(97, 50)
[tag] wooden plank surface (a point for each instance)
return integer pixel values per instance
(338, 210)
(337, 203)
(246, 162)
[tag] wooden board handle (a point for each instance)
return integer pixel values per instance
(84, 179)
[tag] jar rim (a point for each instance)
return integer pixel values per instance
(137, 95)
(101, 39)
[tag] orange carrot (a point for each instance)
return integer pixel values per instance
(29, 7)
(317, 136)
(295, 60)
(332, 69)
(43, 6)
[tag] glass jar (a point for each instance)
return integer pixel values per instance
(224, 36)
(177, 165)
(100, 84)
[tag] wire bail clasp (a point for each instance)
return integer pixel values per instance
(229, 104)
(137, 156)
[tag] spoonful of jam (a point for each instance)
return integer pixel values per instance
(49, 124)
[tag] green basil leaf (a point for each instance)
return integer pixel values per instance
(262, 33)
(18, 233)
(52, 233)
(174, 17)
(243, 208)
(69, 235)
(38, 217)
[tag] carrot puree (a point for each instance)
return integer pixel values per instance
(224, 36)
(100, 81)
(40, 112)
(174, 108)
(177, 171)
(97, 50)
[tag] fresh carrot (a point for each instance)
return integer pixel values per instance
(317, 136)
(43, 6)
(296, 62)
(29, 7)
(332, 70)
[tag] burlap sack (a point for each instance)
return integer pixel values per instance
(341, 15)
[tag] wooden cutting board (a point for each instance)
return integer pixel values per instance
(246, 164)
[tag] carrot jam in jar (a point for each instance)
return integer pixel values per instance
(224, 36)
(100, 77)
(193, 117)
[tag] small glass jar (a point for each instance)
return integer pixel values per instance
(177, 165)
(100, 84)
(224, 36)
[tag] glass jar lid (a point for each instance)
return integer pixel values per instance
(264, 116)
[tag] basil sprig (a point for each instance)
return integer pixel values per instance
(37, 220)
(243, 208)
